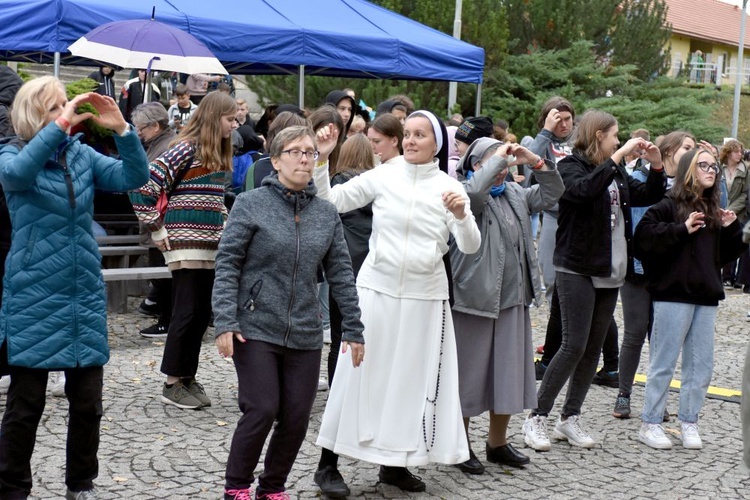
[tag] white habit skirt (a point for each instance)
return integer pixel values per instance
(386, 411)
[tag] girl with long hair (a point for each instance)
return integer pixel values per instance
(194, 172)
(637, 309)
(593, 254)
(683, 241)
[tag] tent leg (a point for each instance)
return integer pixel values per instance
(56, 70)
(301, 89)
(478, 105)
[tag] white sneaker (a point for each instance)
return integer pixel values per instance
(570, 430)
(326, 335)
(4, 384)
(322, 384)
(58, 386)
(535, 433)
(653, 435)
(690, 437)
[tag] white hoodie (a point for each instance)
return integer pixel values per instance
(410, 226)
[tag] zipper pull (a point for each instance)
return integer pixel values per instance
(252, 305)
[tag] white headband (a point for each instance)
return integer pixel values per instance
(435, 126)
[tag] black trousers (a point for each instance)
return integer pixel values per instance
(161, 289)
(191, 312)
(553, 338)
(275, 383)
(24, 408)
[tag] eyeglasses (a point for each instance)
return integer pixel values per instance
(296, 154)
(142, 127)
(708, 167)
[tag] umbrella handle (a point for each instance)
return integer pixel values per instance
(147, 93)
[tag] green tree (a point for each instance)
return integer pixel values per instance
(623, 32)
(517, 91)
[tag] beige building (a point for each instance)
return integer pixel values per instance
(705, 38)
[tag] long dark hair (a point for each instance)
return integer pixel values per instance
(687, 195)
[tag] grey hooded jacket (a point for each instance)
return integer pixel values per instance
(267, 263)
(478, 278)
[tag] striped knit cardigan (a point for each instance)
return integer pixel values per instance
(195, 215)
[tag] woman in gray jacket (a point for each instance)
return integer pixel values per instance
(493, 289)
(266, 310)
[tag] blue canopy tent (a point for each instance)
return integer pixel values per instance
(346, 38)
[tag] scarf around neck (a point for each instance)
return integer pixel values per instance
(495, 191)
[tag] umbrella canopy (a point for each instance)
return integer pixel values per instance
(147, 44)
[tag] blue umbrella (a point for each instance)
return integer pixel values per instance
(147, 44)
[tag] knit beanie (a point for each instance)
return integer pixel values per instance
(474, 128)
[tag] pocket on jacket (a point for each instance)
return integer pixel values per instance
(251, 303)
(30, 244)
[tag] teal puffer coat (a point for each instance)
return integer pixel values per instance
(54, 309)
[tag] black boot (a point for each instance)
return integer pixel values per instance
(400, 477)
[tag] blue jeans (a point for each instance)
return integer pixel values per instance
(690, 328)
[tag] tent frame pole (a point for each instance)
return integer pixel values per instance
(301, 89)
(56, 70)
(478, 105)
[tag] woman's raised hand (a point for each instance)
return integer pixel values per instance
(455, 203)
(109, 113)
(69, 111)
(327, 138)
(523, 155)
(109, 117)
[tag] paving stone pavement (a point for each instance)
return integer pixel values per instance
(149, 450)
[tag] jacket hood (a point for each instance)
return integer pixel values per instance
(386, 106)
(292, 108)
(302, 198)
(475, 153)
(10, 82)
(111, 74)
(336, 96)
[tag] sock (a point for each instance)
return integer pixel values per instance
(149, 302)
(327, 457)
